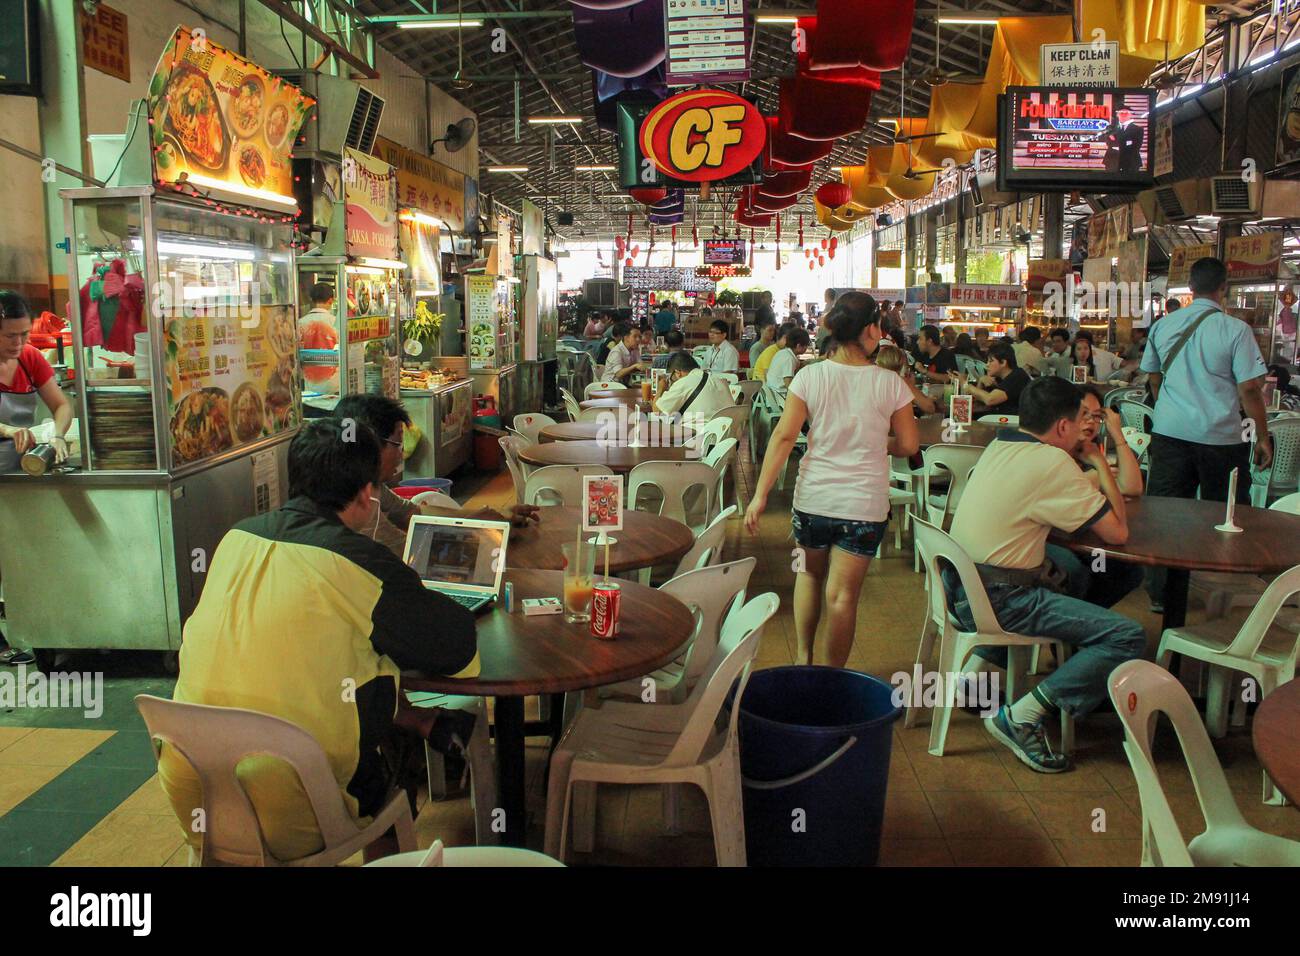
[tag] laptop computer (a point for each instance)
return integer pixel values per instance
(463, 558)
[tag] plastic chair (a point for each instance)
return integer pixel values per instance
(731, 378)
(1006, 421)
(1283, 475)
(721, 459)
(676, 743)
(1140, 691)
(1262, 648)
(710, 433)
(478, 754)
(1125, 394)
(738, 415)
(748, 389)
(707, 549)
(559, 484)
(510, 446)
(530, 423)
(957, 462)
(593, 386)
(955, 647)
(675, 480)
(463, 856)
(710, 594)
(597, 415)
(570, 404)
(437, 499)
(215, 740)
(1138, 441)
(1221, 591)
(1134, 414)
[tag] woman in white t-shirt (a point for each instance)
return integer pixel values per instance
(841, 500)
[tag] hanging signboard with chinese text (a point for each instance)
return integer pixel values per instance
(370, 205)
(426, 185)
(1253, 258)
(1079, 64)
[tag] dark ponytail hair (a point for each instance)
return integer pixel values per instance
(850, 315)
(13, 306)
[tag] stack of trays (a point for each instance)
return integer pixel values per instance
(121, 428)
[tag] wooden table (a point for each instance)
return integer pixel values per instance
(544, 655)
(591, 431)
(1178, 533)
(618, 458)
(1275, 730)
(624, 399)
(931, 429)
(621, 394)
(645, 541)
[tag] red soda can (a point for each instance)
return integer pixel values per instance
(605, 600)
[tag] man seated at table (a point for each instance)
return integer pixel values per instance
(675, 341)
(936, 363)
(388, 420)
(303, 617)
(1027, 483)
(691, 391)
(1029, 355)
(766, 337)
(722, 357)
(1059, 359)
(1001, 388)
(624, 359)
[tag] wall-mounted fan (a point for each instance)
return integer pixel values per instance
(457, 136)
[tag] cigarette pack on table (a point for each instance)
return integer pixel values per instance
(535, 606)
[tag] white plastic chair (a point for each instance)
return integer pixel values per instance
(1005, 421)
(1262, 648)
(1139, 442)
(676, 481)
(676, 743)
(510, 446)
(530, 423)
(597, 415)
(478, 754)
(215, 740)
(436, 499)
(1283, 475)
(956, 462)
(571, 405)
(707, 549)
(466, 856)
(731, 378)
(720, 459)
(1221, 591)
(738, 415)
(593, 386)
(1140, 691)
(559, 484)
(710, 433)
(709, 593)
(1134, 414)
(955, 647)
(748, 389)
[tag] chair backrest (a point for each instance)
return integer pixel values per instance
(720, 457)
(731, 378)
(594, 414)
(1134, 414)
(1285, 470)
(738, 415)
(1255, 628)
(593, 386)
(673, 479)
(748, 389)
(570, 404)
(700, 352)
(710, 433)
(936, 546)
(1140, 691)
(1117, 395)
(707, 549)
(1137, 440)
(732, 658)
(510, 446)
(214, 741)
(437, 498)
(1288, 503)
(967, 365)
(709, 593)
(959, 461)
(530, 423)
(1009, 421)
(559, 484)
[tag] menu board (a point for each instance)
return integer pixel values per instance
(369, 205)
(228, 384)
(481, 320)
(706, 42)
(223, 124)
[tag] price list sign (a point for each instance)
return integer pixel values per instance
(706, 41)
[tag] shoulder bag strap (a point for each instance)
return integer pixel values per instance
(704, 378)
(1182, 340)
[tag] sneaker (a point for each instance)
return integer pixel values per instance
(1027, 742)
(1157, 607)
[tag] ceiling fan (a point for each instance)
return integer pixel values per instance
(936, 76)
(458, 80)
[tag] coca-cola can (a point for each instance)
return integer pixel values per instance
(605, 600)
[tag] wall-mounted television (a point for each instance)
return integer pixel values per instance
(1066, 138)
(724, 252)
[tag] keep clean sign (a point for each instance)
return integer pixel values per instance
(1080, 64)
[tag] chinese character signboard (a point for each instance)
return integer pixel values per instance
(370, 205)
(426, 185)
(1181, 259)
(1253, 258)
(706, 42)
(104, 42)
(1080, 64)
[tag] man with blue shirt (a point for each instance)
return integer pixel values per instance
(1204, 369)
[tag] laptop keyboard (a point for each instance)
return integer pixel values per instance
(465, 600)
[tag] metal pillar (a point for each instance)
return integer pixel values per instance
(1054, 226)
(62, 121)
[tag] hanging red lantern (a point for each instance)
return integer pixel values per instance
(824, 244)
(821, 260)
(800, 229)
(652, 298)
(830, 253)
(834, 195)
(648, 195)
(628, 262)
(810, 265)
(807, 253)
(834, 242)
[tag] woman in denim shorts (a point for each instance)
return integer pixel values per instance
(858, 415)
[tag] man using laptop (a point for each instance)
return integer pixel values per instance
(388, 420)
(462, 558)
(304, 617)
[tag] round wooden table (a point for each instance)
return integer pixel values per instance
(1275, 731)
(522, 655)
(645, 541)
(618, 458)
(931, 430)
(590, 431)
(624, 399)
(621, 394)
(1178, 533)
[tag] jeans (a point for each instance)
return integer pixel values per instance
(1102, 639)
(1179, 467)
(1102, 588)
(818, 532)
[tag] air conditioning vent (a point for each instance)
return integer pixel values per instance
(1232, 196)
(364, 126)
(1171, 203)
(600, 293)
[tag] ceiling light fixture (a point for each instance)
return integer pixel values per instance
(507, 169)
(968, 19)
(553, 120)
(595, 169)
(452, 24)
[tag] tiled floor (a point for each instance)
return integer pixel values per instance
(79, 792)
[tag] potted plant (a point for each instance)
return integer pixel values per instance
(425, 329)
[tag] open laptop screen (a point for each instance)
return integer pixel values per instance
(448, 554)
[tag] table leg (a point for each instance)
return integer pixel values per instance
(1176, 585)
(509, 714)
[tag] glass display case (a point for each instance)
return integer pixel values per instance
(1269, 310)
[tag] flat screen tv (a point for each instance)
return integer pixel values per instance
(1061, 138)
(724, 252)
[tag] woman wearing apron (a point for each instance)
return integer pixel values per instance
(25, 376)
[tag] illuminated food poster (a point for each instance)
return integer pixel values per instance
(230, 381)
(222, 123)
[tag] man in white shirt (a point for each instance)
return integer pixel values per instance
(1028, 354)
(624, 357)
(692, 391)
(786, 362)
(723, 357)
